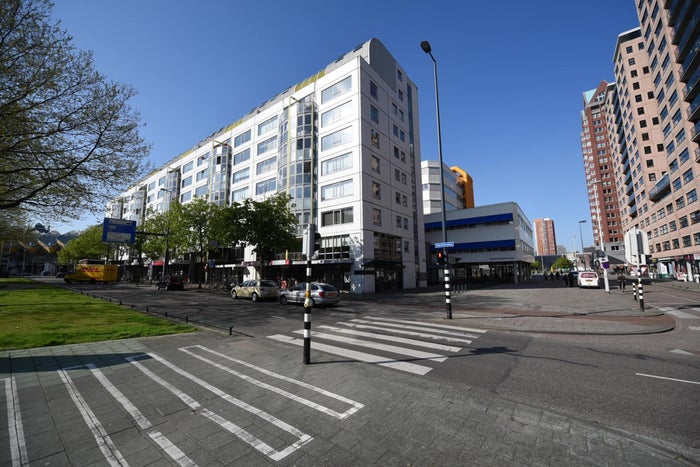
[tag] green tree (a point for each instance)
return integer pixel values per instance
(270, 226)
(88, 244)
(562, 263)
(68, 138)
(193, 228)
(537, 265)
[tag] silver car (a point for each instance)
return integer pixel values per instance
(255, 290)
(322, 294)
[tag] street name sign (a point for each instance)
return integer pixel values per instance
(445, 245)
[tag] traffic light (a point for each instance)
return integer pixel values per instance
(317, 242)
(440, 258)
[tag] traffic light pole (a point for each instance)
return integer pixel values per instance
(448, 294)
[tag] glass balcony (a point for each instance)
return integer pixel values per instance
(662, 187)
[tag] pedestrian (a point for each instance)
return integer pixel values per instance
(621, 282)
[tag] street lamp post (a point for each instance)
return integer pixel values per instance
(425, 45)
(580, 231)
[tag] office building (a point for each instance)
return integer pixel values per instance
(458, 184)
(344, 143)
(492, 242)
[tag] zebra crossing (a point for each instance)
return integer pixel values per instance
(419, 340)
(168, 388)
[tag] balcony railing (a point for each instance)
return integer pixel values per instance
(662, 187)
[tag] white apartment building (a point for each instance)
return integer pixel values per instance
(344, 144)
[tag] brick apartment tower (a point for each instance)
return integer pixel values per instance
(651, 116)
(546, 239)
(600, 173)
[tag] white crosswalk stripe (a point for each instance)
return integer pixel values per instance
(369, 332)
(250, 423)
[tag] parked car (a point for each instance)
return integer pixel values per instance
(321, 294)
(174, 282)
(588, 279)
(255, 290)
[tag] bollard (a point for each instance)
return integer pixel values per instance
(634, 290)
(641, 296)
(230, 330)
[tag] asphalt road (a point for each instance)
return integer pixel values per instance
(438, 391)
(592, 377)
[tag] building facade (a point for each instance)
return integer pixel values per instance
(458, 184)
(344, 144)
(492, 242)
(546, 237)
(598, 165)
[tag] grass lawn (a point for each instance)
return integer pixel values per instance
(33, 314)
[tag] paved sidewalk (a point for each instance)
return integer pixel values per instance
(543, 307)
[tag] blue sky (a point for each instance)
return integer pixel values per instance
(511, 77)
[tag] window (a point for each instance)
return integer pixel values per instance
(683, 221)
(185, 197)
(266, 166)
(337, 138)
(337, 190)
(374, 138)
(240, 195)
(187, 167)
(686, 241)
(267, 145)
(374, 113)
(201, 175)
(241, 175)
(336, 164)
(672, 226)
(684, 156)
(265, 186)
(398, 222)
(677, 184)
(373, 90)
(201, 190)
(241, 156)
(339, 216)
(376, 216)
(186, 181)
(687, 175)
(337, 114)
(336, 90)
(376, 166)
(692, 196)
(201, 160)
(268, 125)
(376, 190)
(242, 138)
(397, 197)
(680, 203)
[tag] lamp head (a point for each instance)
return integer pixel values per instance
(425, 45)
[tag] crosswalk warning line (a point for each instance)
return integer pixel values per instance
(386, 337)
(355, 355)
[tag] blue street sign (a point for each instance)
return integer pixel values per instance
(445, 245)
(118, 231)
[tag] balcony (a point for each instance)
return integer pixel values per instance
(662, 187)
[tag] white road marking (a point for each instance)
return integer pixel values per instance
(165, 444)
(439, 333)
(228, 425)
(430, 325)
(370, 325)
(355, 405)
(681, 351)
(681, 314)
(378, 346)
(361, 356)
(694, 328)
(669, 379)
(403, 340)
(18, 445)
(104, 442)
